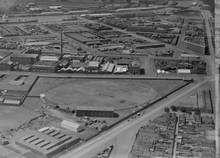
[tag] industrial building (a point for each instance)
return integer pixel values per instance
(108, 67)
(44, 66)
(123, 61)
(12, 97)
(52, 58)
(47, 141)
(135, 70)
(195, 47)
(14, 89)
(72, 125)
(183, 71)
(12, 100)
(93, 65)
(25, 59)
(6, 65)
(33, 51)
(95, 111)
(192, 66)
(121, 69)
(77, 57)
(147, 46)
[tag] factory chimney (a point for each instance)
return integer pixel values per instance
(4, 18)
(61, 44)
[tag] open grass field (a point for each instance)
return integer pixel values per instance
(94, 92)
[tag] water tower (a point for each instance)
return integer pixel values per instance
(4, 18)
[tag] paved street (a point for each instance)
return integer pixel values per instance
(124, 143)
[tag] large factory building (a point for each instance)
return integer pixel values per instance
(95, 111)
(47, 141)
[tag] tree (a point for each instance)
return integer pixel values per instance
(57, 107)
(197, 112)
(183, 109)
(173, 108)
(167, 109)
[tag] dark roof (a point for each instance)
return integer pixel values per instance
(95, 108)
(25, 55)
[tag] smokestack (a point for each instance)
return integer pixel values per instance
(4, 18)
(61, 44)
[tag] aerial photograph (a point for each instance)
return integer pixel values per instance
(109, 78)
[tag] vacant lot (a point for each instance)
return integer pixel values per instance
(13, 117)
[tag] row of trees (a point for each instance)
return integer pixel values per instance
(183, 109)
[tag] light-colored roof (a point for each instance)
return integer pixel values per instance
(93, 64)
(121, 68)
(71, 124)
(49, 58)
(52, 140)
(11, 101)
(36, 43)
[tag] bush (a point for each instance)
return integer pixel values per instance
(183, 109)
(173, 108)
(167, 110)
